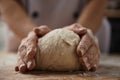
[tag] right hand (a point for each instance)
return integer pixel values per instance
(27, 49)
(88, 48)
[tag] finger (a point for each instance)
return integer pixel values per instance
(77, 28)
(31, 64)
(84, 44)
(22, 66)
(29, 61)
(31, 52)
(32, 36)
(91, 58)
(84, 63)
(31, 45)
(16, 68)
(77, 25)
(79, 31)
(42, 30)
(94, 68)
(96, 42)
(22, 51)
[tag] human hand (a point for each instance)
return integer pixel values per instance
(27, 49)
(87, 50)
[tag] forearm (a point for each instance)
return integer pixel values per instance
(93, 14)
(16, 18)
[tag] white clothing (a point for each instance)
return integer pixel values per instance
(54, 13)
(60, 13)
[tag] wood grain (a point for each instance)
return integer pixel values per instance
(106, 71)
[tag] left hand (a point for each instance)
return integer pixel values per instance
(87, 50)
(28, 47)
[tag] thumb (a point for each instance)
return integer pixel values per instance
(42, 30)
(77, 28)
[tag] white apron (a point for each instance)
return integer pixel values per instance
(60, 13)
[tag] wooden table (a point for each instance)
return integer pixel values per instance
(109, 69)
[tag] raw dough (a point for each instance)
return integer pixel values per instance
(57, 51)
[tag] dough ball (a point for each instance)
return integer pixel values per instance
(57, 51)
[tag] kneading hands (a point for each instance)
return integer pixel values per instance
(87, 50)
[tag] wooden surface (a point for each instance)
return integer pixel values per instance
(109, 69)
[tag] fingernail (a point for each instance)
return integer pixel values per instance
(77, 25)
(22, 68)
(93, 68)
(30, 65)
(16, 68)
(82, 31)
(36, 30)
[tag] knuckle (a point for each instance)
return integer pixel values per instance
(21, 48)
(76, 25)
(23, 40)
(79, 52)
(22, 69)
(44, 27)
(31, 64)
